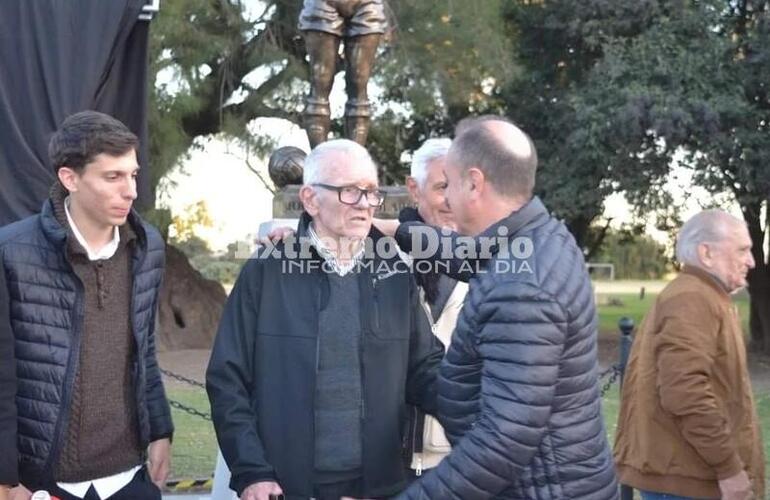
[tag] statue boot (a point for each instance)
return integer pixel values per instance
(357, 120)
(317, 121)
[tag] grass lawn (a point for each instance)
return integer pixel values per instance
(194, 452)
(194, 449)
(612, 307)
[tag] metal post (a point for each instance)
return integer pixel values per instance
(626, 326)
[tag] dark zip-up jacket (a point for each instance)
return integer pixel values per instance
(261, 376)
(519, 391)
(41, 334)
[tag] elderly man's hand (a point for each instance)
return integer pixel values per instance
(275, 235)
(737, 487)
(19, 493)
(263, 490)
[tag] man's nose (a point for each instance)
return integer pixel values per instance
(363, 202)
(750, 261)
(130, 190)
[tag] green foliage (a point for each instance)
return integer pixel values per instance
(693, 88)
(559, 45)
(634, 255)
(202, 55)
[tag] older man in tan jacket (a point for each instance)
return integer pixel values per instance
(688, 426)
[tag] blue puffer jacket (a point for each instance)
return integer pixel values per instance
(45, 300)
(519, 393)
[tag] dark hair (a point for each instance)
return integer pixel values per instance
(477, 146)
(84, 135)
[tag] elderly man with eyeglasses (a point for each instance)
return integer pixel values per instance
(322, 344)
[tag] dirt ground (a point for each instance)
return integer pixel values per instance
(192, 364)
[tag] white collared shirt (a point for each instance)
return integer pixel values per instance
(105, 486)
(103, 253)
(330, 258)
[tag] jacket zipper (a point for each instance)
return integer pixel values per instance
(418, 470)
(73, 360)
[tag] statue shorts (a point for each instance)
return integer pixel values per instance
(343, 18)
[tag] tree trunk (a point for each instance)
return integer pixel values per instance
(759, 282)
(190, 306)
(759, 319)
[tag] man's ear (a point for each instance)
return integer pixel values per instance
(413, 188)
(309, 199)
(68, 178)
(705, 255)
(476, 181)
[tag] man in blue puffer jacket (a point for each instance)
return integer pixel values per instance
(82, 404)
(518, 393)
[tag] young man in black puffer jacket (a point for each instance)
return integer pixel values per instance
(84, 409)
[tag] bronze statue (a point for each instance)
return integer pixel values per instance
(324, 23)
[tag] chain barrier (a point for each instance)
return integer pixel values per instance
(614, 374)
(179, 406)
(190, 410)
(181, 378)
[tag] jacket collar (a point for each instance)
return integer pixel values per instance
(707, 278)
(303, 227)
(533, 211)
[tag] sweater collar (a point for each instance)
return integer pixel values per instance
(56, 224)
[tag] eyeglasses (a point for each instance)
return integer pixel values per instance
(351, 195)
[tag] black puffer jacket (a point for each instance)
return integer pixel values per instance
(45, 299)
(518, 393)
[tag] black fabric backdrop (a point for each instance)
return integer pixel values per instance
(58, 57)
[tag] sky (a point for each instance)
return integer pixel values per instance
(236, 199)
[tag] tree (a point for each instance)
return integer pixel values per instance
(634, 255)
(229, 66)
(559, 43)
(693, 89)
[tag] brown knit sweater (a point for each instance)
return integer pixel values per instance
(102, 433)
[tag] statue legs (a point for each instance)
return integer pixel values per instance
(359, 58)
(322, 48)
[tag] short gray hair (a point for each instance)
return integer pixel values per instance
(316, 160)
(477, 145)
(708, 226)
(430, 150)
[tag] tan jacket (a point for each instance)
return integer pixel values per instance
(435, 445)
(687, 417)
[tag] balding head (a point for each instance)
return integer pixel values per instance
(501, 150)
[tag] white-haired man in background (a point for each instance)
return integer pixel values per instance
(441, 296)
(688, 425)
